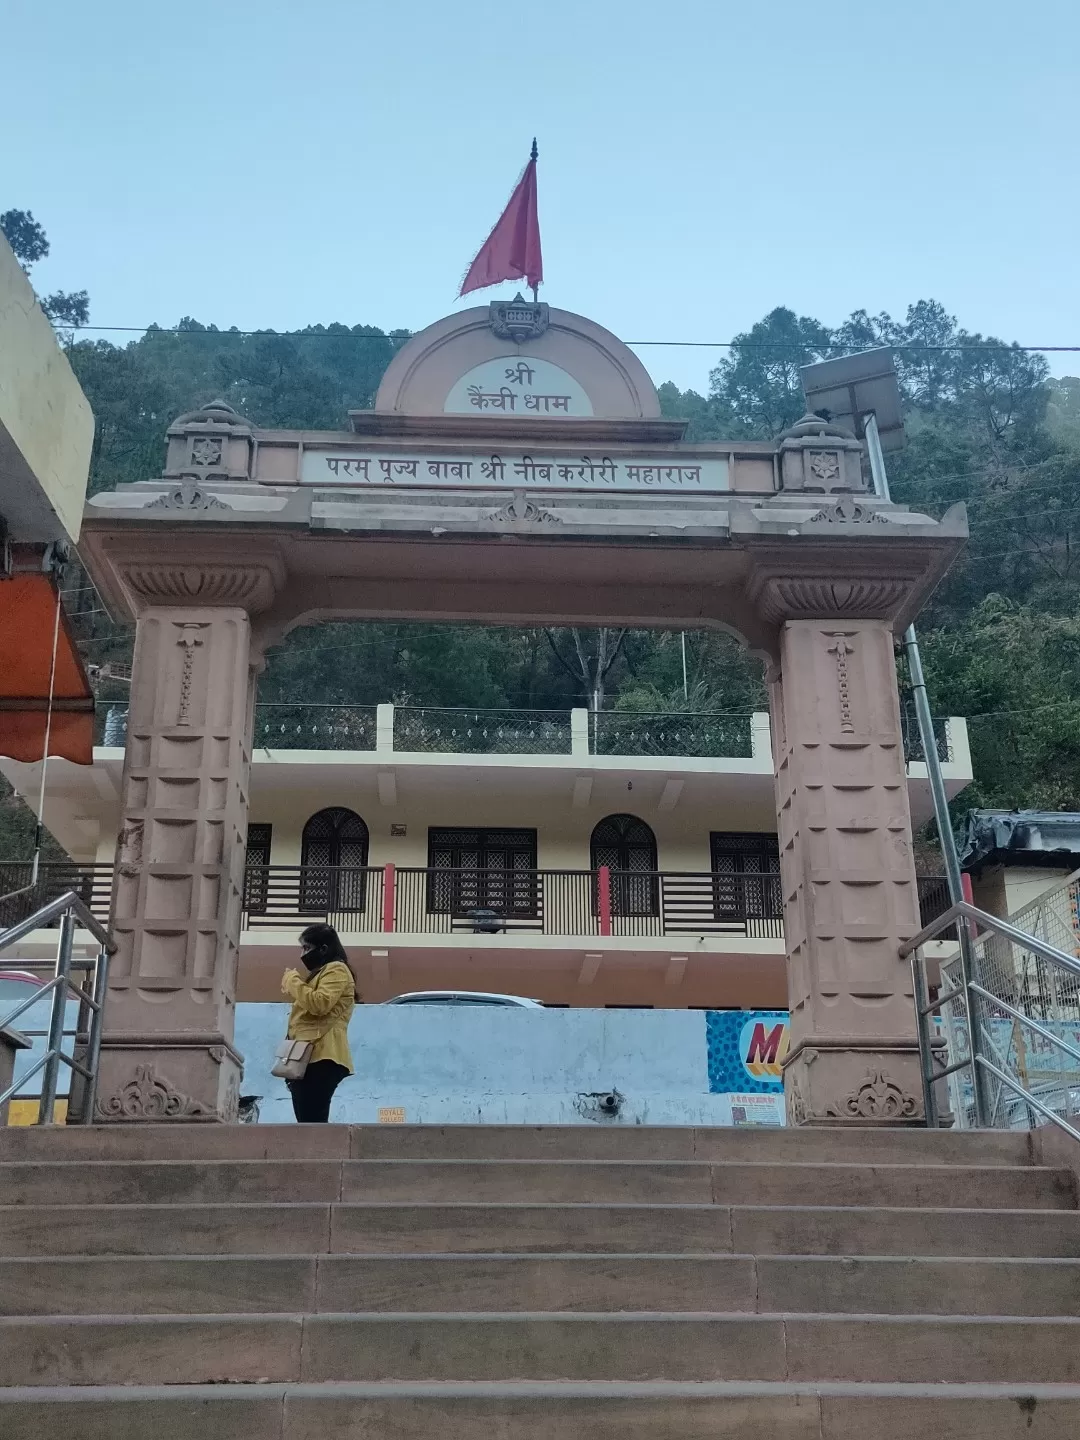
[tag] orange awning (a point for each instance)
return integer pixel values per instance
(27, 615)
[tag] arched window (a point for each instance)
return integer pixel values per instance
(333, 861)
(627, 846)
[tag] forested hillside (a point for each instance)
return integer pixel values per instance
(985, 423)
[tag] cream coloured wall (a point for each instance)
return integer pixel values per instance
(46, 425)
(1023, 884)
(563, 832)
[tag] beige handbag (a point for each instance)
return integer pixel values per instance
(291, 1060)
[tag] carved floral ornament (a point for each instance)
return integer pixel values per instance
(149, 1096)
(824, 465)
(206, 451)
(187, 496)
(522, 511)
(848, 511)
(879, 1098)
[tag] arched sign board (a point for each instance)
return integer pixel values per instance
(464, 406)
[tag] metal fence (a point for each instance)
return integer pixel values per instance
(1000, 1042)
(707, 736)
(482, 732)
(448, 730)
(934, 899)
(69, 980)
(314, 727)
(913, 749)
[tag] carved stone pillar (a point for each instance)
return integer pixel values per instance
(850, 896)
(178, 885)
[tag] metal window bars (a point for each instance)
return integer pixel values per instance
(999, 1044)
(85, 1053)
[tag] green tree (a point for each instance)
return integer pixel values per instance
(28, 240)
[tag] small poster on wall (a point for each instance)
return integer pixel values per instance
(746, 1050)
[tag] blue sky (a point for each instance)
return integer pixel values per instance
(283, 163)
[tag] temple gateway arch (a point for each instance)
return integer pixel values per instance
(515, 469)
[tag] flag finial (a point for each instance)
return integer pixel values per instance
(535, 153)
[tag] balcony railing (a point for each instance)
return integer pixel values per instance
(482, 732)
(314, 727)
(18, 899)
(404, 900)
(705, 736)
(446, 730)
(913, 749)
(583, 903)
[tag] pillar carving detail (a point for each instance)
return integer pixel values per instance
(178, 887)
(850, 894)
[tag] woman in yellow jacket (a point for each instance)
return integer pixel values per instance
(322, 1007)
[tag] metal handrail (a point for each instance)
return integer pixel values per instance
(69, 901)
(990, 922)
(974, 925)
(71, 911)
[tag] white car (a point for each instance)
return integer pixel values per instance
(463, 997)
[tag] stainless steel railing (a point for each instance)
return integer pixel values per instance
(60, 988)
(999, 1043)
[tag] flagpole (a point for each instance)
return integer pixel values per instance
(534, 156)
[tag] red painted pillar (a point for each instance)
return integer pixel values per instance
(389, 896)
(603, 881)
(965, 882)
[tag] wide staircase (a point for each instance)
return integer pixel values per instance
(392, 1283)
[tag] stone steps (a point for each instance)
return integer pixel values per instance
(515, 1142)
(267, 1284)
(219, 1349)
(552, 1411)
(388, 1283)
(135, 1182)
(285, 1229)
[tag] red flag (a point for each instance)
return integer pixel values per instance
(512, 250)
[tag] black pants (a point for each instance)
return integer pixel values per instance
(312, 1094)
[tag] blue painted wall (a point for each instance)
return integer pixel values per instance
(462, 1065)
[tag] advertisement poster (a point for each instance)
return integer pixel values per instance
(746, 1050)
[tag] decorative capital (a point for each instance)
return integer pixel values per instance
(782, 597)
(249, 587)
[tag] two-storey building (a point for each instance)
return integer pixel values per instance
(585, 860)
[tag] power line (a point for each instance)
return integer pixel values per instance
(916, 347)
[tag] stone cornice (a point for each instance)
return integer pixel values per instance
(483, 553)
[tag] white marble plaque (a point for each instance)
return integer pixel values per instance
(514, 469)
(518, 385)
